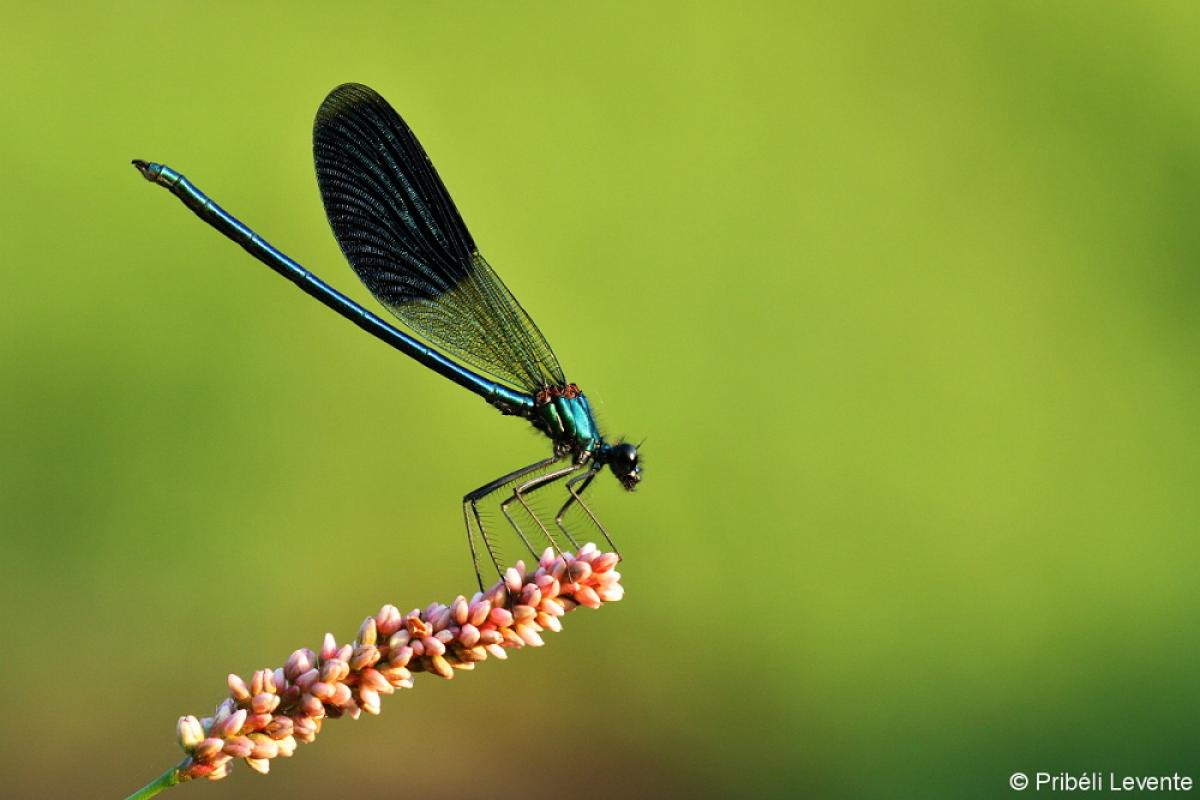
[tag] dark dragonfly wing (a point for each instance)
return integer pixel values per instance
(400, 231)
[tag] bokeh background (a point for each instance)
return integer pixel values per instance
(903, 298)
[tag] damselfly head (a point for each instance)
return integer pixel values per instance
(624, 463)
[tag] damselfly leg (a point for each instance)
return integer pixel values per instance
(528, 487)
(577, 497)
(471, 508)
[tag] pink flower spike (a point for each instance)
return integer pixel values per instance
(268, 715)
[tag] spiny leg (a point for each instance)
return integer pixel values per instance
(576, 497)
(532, 486)
(562, 512)
(471, 500)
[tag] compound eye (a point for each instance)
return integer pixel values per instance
(625, 453)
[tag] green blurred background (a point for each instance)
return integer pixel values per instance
(902, 297)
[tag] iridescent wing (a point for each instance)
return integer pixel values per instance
(402, 235)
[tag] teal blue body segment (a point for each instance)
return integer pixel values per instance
(569, 420)
(508, 400)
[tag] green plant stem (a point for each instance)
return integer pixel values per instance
(166, 780)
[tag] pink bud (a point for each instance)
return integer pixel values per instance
(260, 765)
(305, 681)
(459, 610)
(468, 635)
(580, 571)
(329, 647)
(523, 613)
(588, 597)
(531, 595)
(604, 562)
(237, 688)
(312, 706)
(334, 670)
(559, 569)
(501, 617)
(287, 746)
(279, 728)
(264, 703)
(433, 646)
(298, 663)
(207, 749)
(368, 700)
(233, 725)
(479, 612)
(189, 732)
(256, 722)
(367, 631)
(264, 747)
(529, 635)
(341, 695)
(512, 580)
(548, 586)
(397, 676)
(440, 666)
(490, 636)
(497, 651)
(476, 653)
(610, 594)
(364, 656)
(388, 620)
(372, 679)
(440, 619)
(401, 657)
(238, 747)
